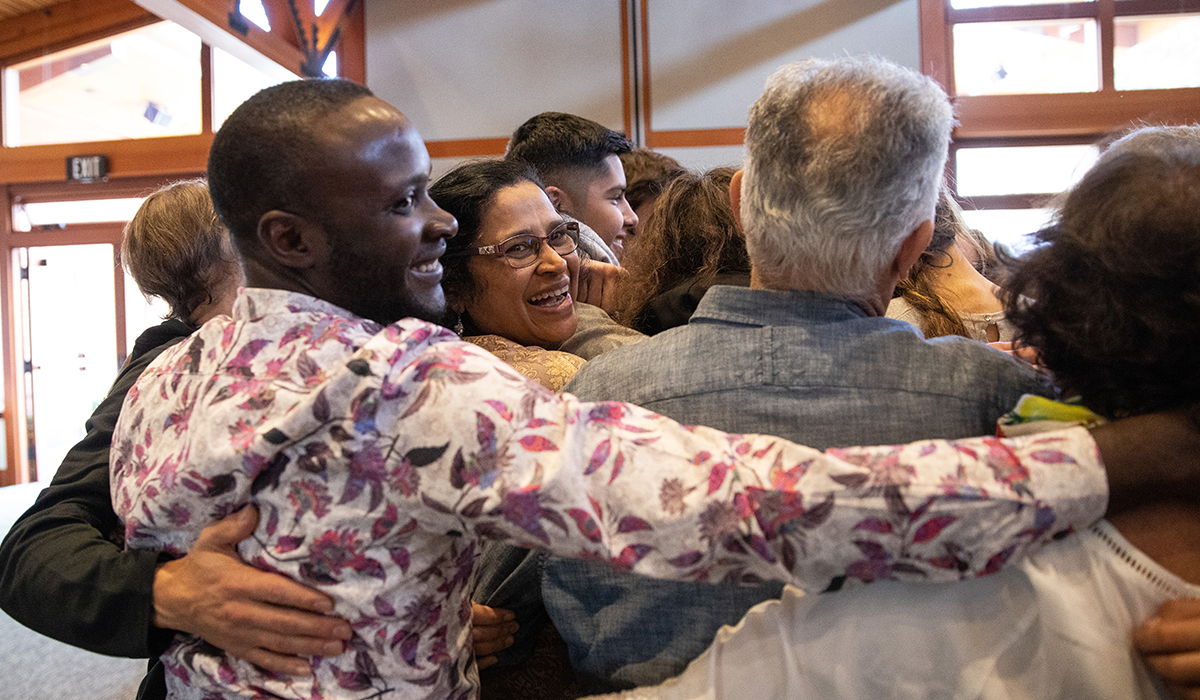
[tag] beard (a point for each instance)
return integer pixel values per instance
(376, 290)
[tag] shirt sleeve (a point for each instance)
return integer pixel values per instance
(615, 482)
(62, 572)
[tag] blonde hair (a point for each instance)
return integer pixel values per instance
(176, 249)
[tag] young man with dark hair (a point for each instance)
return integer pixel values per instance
(579, 160)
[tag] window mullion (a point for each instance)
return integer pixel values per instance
(1107, 27)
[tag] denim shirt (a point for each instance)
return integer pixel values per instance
(809, 367)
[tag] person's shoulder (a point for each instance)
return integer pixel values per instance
(616, 373)
(972, 360)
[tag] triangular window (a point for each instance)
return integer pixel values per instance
(254, 11)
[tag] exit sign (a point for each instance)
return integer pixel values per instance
(87, 168)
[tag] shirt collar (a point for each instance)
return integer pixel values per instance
(254, 302)
(771, 307)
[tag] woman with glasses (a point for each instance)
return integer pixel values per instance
(511, 275)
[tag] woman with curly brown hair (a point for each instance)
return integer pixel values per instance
(690, 242)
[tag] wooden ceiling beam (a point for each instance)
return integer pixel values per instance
(210, 20)
(67, 24)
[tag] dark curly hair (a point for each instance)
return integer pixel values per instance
(467, 192)
(1112, 300)
(691, 234)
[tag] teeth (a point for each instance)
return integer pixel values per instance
(431, 266)
(556, 293)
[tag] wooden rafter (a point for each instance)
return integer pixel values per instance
(65, 25)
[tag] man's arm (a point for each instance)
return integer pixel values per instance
(63, 575)
(1150, 456)
(263, 618)
(616, 482)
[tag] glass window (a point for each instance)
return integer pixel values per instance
(1045, 56)
(254, 11)
(139, 84)
(73, 364)
(1159, 52)
(1009, 227)
(1021, 169)
(234, 81)
(141, 312)
(35, 214)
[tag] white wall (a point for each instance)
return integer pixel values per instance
(466, 69)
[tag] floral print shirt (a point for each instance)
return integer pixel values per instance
(379, 456)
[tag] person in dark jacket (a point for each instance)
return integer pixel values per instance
(63, 570)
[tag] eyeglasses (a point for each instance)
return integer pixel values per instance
(523, 250)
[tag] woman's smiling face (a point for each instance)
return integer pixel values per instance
(532, 305)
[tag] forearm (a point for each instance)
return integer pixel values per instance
(618, 483)
(62, 578)
(1150, 457)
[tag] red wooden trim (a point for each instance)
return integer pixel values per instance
(1097, 113)
(1012, 141)
(646, 105)
(119, 302)
(696, 137)
(352, 46)
(1134, 8)
(937, 41)
(13, 419)
(283, 25)
(215, 13)
(71, 234)
(1107, 42)
(67, 24)
(1067, 10)
(626, 87)
(127, 158)
(465, 148)
(1039, 200)
(1023, 13)
(206, 89)
(646, 72)
(67, 191)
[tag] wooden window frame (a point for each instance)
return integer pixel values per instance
(1048, 119)
(1053, 115)
(136, 166)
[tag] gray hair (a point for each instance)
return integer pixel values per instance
(844, 160)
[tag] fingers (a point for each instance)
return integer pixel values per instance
(483, 662)
(1170, 643)
(263, 587)
(286, 623)
(484, 616)
(224, 534)
(277, 662)
(244, 639)
(1175, 628)
(492, 630)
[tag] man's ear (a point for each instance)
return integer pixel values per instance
(558, 198)
(291, 240)
(735, 198)
(911, 249)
